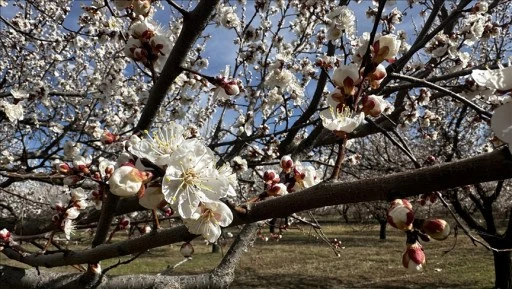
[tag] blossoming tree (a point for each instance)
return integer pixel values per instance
(223, 113)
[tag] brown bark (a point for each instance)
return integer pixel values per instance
(503, 270)
(220, 277)
(492, 166)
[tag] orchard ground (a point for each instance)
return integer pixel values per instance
(301, 260)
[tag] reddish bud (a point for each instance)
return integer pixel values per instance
(5, 235)
(414, 257)
(400, 214)
(438, 229)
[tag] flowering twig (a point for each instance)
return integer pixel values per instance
(314, 225)
(367, 55)
(319, 232)
(210, 79)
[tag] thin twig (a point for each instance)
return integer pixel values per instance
(182, 11)
(466, 231)
(385, 133)
(339, 161)
(121, 263)
(324, 238)
(315, 225)
(475, 107)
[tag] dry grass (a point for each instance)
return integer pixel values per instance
(299, 260)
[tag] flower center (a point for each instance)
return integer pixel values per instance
(208, 215)
(189, 176)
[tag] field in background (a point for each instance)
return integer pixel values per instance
(300, 260)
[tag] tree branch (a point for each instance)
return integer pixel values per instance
(487, 167)
(221, 277)
(475, 107)
(192, 28)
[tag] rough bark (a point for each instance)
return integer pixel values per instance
(503, 270)
(220, 277)
(492, 166)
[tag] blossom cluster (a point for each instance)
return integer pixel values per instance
(400, 215)
(192, 183)
(67, 212)
(294, 177)
(148, 44)
(349, 103)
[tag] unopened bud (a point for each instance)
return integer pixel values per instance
(438, 229)
(286, 164)
(414, 257)
(187, 250)
(400, 214)
(5, 235)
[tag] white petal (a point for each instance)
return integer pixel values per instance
(501, 122)
(500, 79)
(152, 198)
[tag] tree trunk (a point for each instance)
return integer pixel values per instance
(503, 270)
(383, 225)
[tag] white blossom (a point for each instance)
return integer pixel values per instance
(14, 112)
(501, 123)
(126, 181)
(336, 120)
(499, 79)
(159, 147)
(191, 178)
(212, 216)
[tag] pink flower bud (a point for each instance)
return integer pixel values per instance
(127, 181)
(277, 190)
(386, 48)
(5, 235)
(187, 250)
(377, 76)
(109, 171)
(286, 164)
(108, 137)
(168, 211)
(346, 77)
(94, 268)
(124, 223)
(438, 229)
(414, 257)
(400, 214)
(373, 105)
(270, 176)
(64, 168)
(230, 87)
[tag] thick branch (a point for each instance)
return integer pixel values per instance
(488, 167)
(193, 26)
(221, 277)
